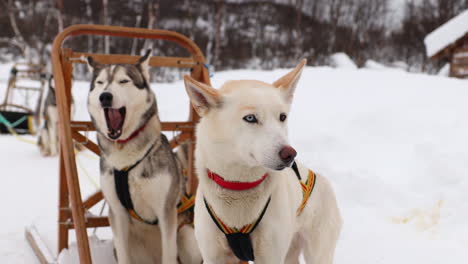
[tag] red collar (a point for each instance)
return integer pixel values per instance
(133, 135)
(235, 186)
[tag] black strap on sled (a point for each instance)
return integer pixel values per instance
(123, 192)
(16, 123)
(238, 239)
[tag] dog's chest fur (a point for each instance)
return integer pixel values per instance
(153, 183)
(52, 114)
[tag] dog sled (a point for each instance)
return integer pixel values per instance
(21, 106)
(73, 209)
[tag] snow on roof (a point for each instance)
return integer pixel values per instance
(446, 34)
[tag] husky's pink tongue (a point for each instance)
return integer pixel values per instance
(115, 118)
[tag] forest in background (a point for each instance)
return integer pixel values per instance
(237, 33)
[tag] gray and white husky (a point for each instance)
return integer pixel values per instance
(140, 177)
(48, 134)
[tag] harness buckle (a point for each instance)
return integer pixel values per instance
(118, 145)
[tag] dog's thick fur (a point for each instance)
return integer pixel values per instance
(155, 184)
(48, 134)
(243, 152)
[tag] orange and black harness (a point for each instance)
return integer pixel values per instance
(239, 239)
(307, 187)
(121, 187)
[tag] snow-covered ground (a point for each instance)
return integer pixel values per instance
(393, 144)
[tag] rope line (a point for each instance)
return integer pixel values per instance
(86, 173)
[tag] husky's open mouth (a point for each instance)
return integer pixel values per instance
(115, 119)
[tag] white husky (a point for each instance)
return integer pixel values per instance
(250, 204)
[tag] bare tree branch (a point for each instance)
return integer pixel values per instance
(219, 7)
(153, 13)
(14, 25)
(105, 8)
(60, 15)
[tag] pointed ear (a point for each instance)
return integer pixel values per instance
(202, 96)
(143, 63)
(91, 63)
(288, 82)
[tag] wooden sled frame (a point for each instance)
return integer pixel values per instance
(71, 208)
(31, 72)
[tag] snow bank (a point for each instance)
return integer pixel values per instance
(342, 60)
(400, 65)
(444, 71)
(446, 34)
(377, 66)
(373, 65)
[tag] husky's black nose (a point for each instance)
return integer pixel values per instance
(106, 99)
(287, 154)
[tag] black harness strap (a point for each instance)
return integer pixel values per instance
(123, 192)
(239, 240)
(296, 170)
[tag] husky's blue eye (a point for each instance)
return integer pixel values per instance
(282, 117)
(250, 119)
(123, 81)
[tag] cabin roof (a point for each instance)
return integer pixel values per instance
(447, 35)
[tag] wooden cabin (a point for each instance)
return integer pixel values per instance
(450, 42)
